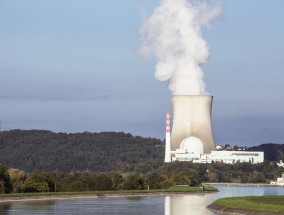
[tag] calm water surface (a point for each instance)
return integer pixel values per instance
(191, 204)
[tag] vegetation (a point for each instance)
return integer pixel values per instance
(30, 150)
(5, 183)
(48, 151)
(43, 161)
(256, 203)
(163, 177)
(175, 189)
(272, 151)
(191, 189)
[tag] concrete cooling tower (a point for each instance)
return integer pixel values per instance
(192, 123)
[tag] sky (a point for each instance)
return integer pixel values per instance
(74, 66)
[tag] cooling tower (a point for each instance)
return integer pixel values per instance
(192, 118)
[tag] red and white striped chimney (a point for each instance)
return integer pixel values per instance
(168, 138)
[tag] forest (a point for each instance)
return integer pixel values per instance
(42, 150)
(48, 151)
(44, 161)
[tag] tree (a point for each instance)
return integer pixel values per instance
(5, 183)
(31, 186)
(72, 183)
(17, 178)
(39, 182)
(181, 179)
(167, 183)
(153, 180)
(212, 177)
(117, 180)
(133, 182)
(103, 182)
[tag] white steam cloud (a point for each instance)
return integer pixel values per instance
(173, 35)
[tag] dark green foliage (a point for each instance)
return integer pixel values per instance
(163, 177)
(272, 151)
(103, 161)
(5, 184)
(31, 186)
(134, 182)
(48, 151)
(76, 182)
(103, 182)
(153, 180)
(39, 182)
(117, 180)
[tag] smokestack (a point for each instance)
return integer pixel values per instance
(168, 138)
(192, 118)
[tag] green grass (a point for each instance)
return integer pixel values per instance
(256, 203)
(191, 189)
(184, 189)
(209, 188)
(171, 189)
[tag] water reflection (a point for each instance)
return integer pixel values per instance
(195, 204)
(4, 208)
(172, 204)
(167, 205)
(187, 204)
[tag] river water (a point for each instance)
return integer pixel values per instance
(173, 204)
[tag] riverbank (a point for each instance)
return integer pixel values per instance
(261, 205)
(102, 194)
(231, 184)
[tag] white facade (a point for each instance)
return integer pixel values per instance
(168, 138)
(168, 148)
(279, 181)
(280, 164)
(229, 157)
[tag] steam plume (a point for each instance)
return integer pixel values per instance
(173, 35)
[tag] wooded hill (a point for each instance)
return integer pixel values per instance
(31, 150)
(42, 150)
(272, 151)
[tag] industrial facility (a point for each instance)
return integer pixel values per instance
(191, 138)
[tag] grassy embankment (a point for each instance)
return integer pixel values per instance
(273, 204)
(174, 189)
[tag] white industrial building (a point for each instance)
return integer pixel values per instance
(191, 138)
(191, 149)
(279, 181)
(229, 157)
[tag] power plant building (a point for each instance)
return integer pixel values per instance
(191, 138)
(230, 157)
(192, 122)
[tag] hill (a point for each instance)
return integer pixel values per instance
(48, 151)
(31, 150)
(272, 151)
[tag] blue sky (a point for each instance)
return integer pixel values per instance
(74, 66)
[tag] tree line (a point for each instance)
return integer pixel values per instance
(148, 175)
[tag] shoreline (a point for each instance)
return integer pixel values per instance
(228, 210)
(232, 184)
(7, 199)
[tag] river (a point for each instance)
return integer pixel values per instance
(173, 204)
